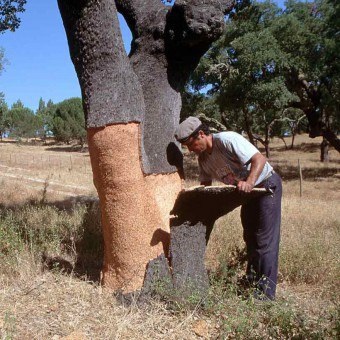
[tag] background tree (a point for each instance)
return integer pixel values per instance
(22, 121)
(9, 10)
(244, 70)
(3, 115)
(293, 122)
(3, 60)
(271, 59)
(304, 34)
(68, 122)
(132, 106)
(195, 102)
(45, 113)
(9, 20)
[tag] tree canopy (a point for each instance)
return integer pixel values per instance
(68, 122)
(269, 60)
(21, 121)
(9, 10)
(3, 115)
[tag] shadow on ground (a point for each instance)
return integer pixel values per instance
(303, 147)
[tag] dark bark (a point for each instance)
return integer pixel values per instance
(207, 204)
(196, 211)
(110, 89)
(247, 125)
(331, 138)
(190, 29)
(293, 139)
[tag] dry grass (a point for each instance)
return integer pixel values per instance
(62, 170)
(53, 306)
(49, 242)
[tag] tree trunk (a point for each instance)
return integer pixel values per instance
(266, 145)
(266, 141)
(310, 104)
(293, 139)
(324, 157)
(132, 109)
(284, 142)
(247, 126)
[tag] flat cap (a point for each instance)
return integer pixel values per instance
(187, 128)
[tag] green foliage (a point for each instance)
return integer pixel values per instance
(22, 121)
(3, 115)
(271, 59)
(9, 10)
(45, 114)
(3, 60)
(68, 121)
(194, 103)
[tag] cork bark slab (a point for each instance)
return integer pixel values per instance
(206, 204)
(135, 208)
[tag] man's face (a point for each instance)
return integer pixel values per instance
(196, 144)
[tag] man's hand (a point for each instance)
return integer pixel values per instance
(244, 187)
(257, 163)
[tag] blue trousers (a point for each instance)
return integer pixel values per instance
(261, 220)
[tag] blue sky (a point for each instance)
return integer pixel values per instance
(39, 62)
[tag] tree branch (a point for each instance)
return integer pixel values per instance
(140, 14)
(192, 26)
(110, 89)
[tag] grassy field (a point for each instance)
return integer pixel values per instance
(51, 250)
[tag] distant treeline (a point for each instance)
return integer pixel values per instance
(64, 121)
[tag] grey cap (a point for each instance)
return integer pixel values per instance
(187, 128)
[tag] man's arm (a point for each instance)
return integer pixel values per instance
(257, 163)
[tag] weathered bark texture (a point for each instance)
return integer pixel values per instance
(132, 105)
(187, 251)
(110, 89)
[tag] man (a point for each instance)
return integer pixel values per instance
(231, 159)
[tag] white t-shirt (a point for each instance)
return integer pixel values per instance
(229, 161)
